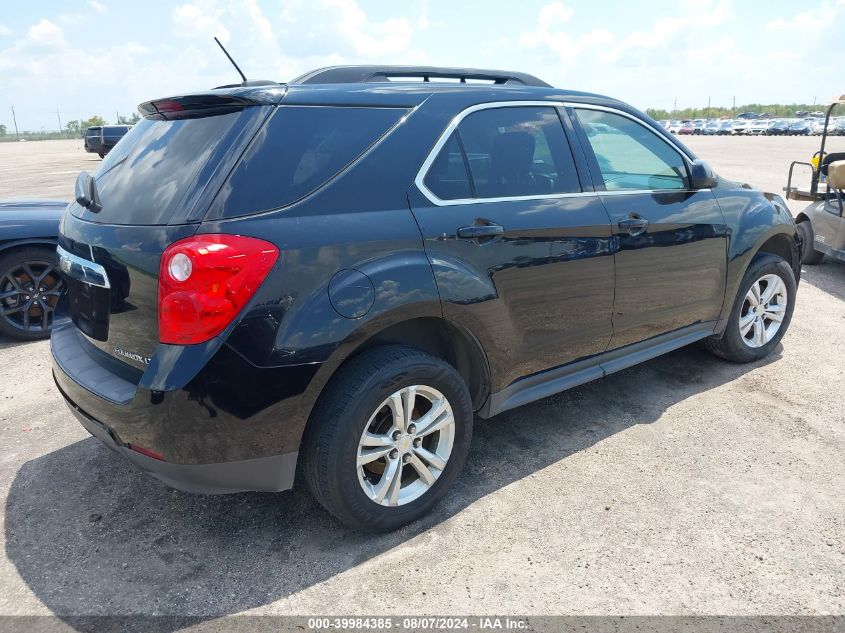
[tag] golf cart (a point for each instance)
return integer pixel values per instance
(822, 223)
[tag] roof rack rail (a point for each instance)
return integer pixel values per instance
(368, 74)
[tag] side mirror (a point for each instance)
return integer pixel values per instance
(701, 175)
(86, 192)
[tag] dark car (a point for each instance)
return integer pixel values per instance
(800, 128)
(101, 139)
(344, 270)
(779, 128)
(29, 282)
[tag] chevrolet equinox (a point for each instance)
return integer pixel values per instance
(335, 275)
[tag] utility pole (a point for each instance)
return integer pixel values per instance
(117, 119)
(59, 117)
(15, 120)
(708, 107)
(675, 107)
(733, 110)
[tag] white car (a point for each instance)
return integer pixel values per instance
(818, 127)
(757, 127)
(740, 126)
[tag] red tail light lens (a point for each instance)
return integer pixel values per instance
(205, 281)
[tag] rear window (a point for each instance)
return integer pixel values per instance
(93, 131)
(114, 130)
(298, 151)
(159, 167)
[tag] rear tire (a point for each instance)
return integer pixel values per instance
(809, 255)
(740, 343)
(356, 418)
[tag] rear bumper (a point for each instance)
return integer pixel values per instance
(268, 474)
(207, 444)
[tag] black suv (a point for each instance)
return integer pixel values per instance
(341, 271)
(101, 139)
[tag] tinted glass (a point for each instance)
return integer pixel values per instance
(300, 149)
(114, 131)
(448, 179)
(630, 156)
(158, 164)
(518, 151)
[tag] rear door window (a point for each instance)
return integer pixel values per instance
(298, 151)
(509, 152)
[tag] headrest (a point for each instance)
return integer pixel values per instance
(836, 174)
(513, 151)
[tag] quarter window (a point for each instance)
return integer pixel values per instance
(630, 156)
(504, 153)
(298, 151)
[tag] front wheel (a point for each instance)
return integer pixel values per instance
(388, 438)
(761, 312)
(809, 255)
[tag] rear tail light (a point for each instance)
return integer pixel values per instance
(205, 281)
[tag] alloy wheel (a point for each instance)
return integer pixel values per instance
(763, 311)
(406, 445)
(29, 292)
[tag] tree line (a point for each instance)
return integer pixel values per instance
(715, 112)
(72, 129)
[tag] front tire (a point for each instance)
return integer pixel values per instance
(809, 255)
(387, 438)
(761, 312)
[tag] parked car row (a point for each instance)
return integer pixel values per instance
(755, 127)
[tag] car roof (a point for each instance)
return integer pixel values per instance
(400, 86)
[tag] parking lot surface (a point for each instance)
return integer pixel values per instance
(686, 485)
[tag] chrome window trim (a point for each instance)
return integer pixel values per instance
(419, 181)
(669, 142)
(81, 269)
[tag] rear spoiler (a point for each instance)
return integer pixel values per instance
(221, 101)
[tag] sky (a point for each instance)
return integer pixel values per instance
(86, 57)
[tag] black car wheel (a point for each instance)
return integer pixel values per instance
(29, 291)
(388, 438)
(809, 255)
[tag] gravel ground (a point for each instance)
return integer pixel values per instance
(686, 485)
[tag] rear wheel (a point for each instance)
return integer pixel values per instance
(29, 291)
(809, 255)
(388, 438)
(761, 313)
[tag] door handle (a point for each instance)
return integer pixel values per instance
(633, 224)
(480, 230)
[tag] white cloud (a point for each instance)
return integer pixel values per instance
(200, 20)
(98, 6)
(811, 20)
(4, 30)
(46, 33)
